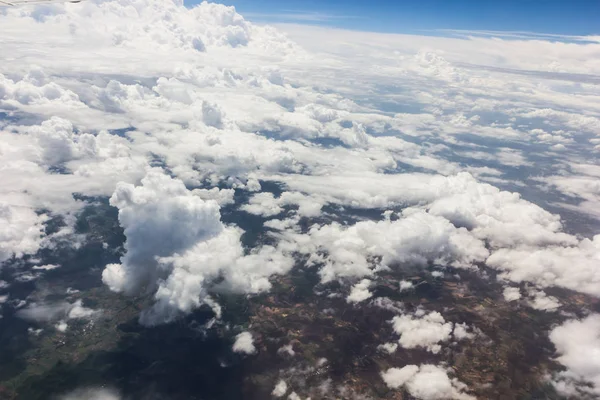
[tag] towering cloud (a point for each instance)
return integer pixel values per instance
(177, 248)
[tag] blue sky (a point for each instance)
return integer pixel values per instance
(565, 17)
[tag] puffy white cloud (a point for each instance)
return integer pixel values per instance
(511, 293)
(208, 104)
(286, 349)
(577, 342)
(79, 311)
(280, 389)
(263, 204)
(160, 218)
(426, 330)
(223, 197)
(244, 343)
(572, 267)
(21, 231)
(388, 347)
(360, 292)
(177, 245)
(62, 326)
(461, 331)
(294, 396)
(33, 90)
(426, 382)
(491, 214)
(395, 378)
(416, 238)
(541, 301)
(267, 205)
(49, 312)
(585, 187)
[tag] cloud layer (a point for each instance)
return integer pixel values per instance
(469, 153)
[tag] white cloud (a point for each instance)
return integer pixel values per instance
(585, 187)
(58, 311)
(426, 382)
(360, 292)
(244, 343)
(79, 311)
(511, 293)
(577, 342)
(294, 396)
(280, 389)
(541, 301)
(572, 267)
(177, 245)
(46, 267)
(422, 331)
(160, 218)
(388, 347)
(21, 231)
(461, 332)
(91, 394)
(62, 326)
(395, 378)
(263, 204)
(267, 205)
(223, 197)
(416, 238)
(209, 104)
(286, 349)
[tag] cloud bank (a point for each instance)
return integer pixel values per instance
(454, 164)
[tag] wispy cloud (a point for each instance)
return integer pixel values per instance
(298, 16)
(520, 35)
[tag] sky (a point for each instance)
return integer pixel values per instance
(577, 17)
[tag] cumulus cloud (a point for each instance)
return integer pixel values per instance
(422, 330)
(177, 245)
(360, 292)
(461, 331)
(286, 349)
(426, 382)
(583, 186)
(58, 311)
(208, 105)
(21, 231)
(504, 221)
(160, 218)
(576, 343)
(572, 267)
(280, 389)
(223, 197)
(267, 205)
(388, 347)
(511, 293)
(416, 238)
(539, 300)
(244, 343)
(395, 378)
